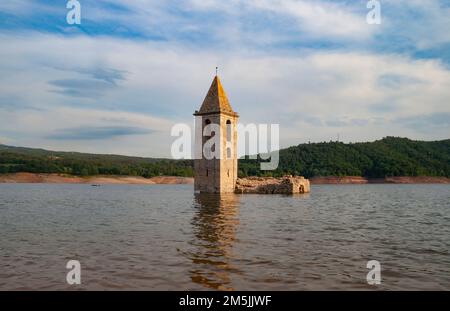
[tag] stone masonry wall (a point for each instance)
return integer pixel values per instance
(270, 185)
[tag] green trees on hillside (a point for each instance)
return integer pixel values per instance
(13, 160)
(390, 156)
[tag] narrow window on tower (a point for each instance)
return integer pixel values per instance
(213, 147)
(228, 130)
(228, 138)
(228, 173)
(205, 138)
(207, 172)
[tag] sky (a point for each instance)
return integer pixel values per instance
(131, 70)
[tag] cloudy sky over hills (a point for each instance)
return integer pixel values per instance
(132, 69)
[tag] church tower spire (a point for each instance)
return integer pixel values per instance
(216, 99)
(218, 174)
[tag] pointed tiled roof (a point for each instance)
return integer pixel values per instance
(216, 100)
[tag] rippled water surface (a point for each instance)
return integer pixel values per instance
(166, 238)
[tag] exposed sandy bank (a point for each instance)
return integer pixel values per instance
(172, 180)
(65, 179)
(387, 180)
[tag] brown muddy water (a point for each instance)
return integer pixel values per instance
(163, 237)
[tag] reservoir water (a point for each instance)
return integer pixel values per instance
(163, 237)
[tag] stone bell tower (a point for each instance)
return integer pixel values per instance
(217, 174)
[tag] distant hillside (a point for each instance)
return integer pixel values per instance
(19, 159)
(390, 156)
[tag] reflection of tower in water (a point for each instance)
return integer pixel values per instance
(214, 227)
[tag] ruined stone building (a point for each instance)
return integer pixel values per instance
(219, 174)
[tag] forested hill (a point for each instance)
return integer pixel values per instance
(390, 156)
(19, 159)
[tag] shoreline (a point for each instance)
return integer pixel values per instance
(38, 178)
(175, 180)
(358, 180)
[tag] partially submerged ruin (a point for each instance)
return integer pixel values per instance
(219, 175)
(270, 185)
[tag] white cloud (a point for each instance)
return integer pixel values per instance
(314, 96)
(321, 18)
(424, 24)
(36, 128)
